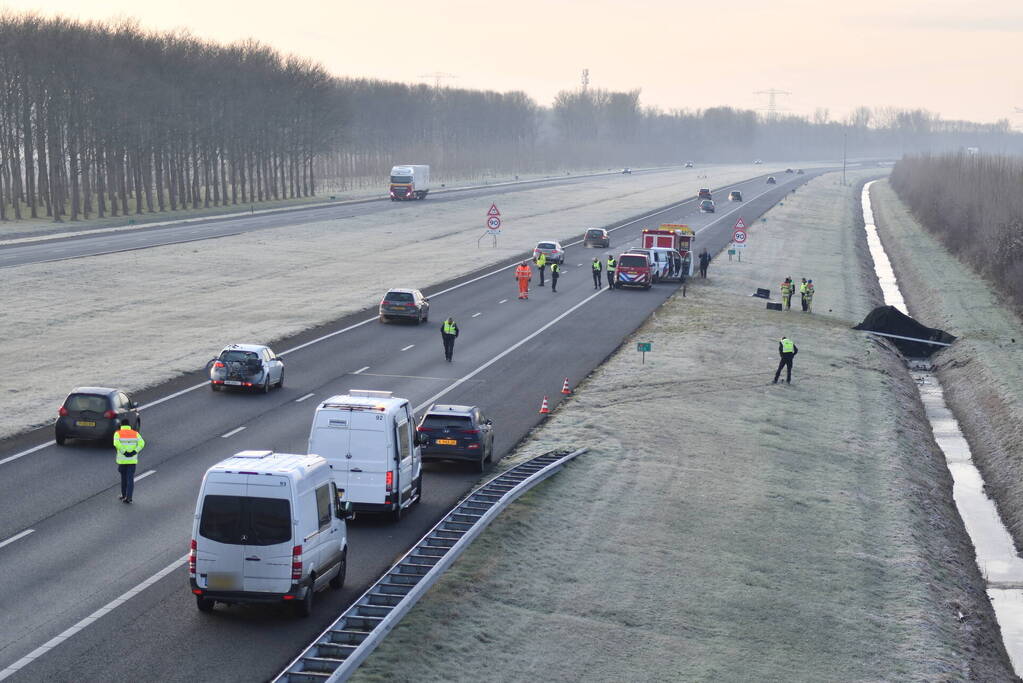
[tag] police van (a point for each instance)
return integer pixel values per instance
(370, 441)
(269, 528)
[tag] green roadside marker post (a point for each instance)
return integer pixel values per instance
(643, 347)
(731, 253)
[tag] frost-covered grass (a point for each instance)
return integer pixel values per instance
(722, 527)
(68, 323)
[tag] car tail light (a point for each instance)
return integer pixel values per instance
(110, 415)
(62, 411)
(296, 563)
(424, 429)
(390, 482)
(218, 364)
(197, 591)
(247, 384)
(470, 432)
(193, 549)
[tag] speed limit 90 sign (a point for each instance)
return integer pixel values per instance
(739, 236)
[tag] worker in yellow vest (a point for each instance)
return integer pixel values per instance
(128, 443)
(541, 263)
(787, 350)
(786, 293)
(598, 267)
(809, 296)
(448, 332)
(802, 293)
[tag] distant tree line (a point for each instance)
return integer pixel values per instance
(104, 120)
(972, 202)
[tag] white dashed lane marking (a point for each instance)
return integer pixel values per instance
(502, 301)
(408, 347)
(299, 400)
(231, 433)
(144, 475)
(361, 370)
(15, 537)
(476, 315)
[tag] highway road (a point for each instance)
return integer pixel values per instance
(96, 590)
(99, 240)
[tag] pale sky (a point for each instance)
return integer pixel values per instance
(959, 59)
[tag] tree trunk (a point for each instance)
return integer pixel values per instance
(30, 169)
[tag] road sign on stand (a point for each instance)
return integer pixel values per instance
(739, 224)
(739, 238)
(493, 210)
(494, 225)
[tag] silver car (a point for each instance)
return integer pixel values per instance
(246, 366)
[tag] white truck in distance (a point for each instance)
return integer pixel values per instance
(411, 181)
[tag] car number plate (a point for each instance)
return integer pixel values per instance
(85, 423)
(223, 581)
(447, 442)
(233, 382)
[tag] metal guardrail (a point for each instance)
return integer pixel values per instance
(337, 652)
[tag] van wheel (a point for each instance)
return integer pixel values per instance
(419, 489)
(215, 387)
(304, 607)
(204, 604)
(338, 581)
(398, 513)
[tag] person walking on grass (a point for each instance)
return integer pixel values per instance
(787, 350)
(128, 443)
(809, 296)
(448, 333)
(704, 262)
(787, 288)
(802, 294)
(598, 269)
(555, 273)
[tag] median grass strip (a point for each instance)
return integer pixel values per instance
(723, 527)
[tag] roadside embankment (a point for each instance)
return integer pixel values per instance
(982, 373)
(723, 527)
(138, 318)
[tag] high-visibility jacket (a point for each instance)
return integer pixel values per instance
(541, 260)
(786, 288)
(802, 288)
(555, 269)
(611, 263)
(787, 345)
(809, 291)
(523, 272)
(128, 443)
(597, 265)
(450, 328)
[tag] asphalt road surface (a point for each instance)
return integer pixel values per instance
(97, 590)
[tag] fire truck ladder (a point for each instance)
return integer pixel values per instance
(337, 652)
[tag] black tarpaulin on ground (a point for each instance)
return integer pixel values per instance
(891, 320)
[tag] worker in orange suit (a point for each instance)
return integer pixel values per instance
(523, 274)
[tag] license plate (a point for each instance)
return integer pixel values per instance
(447, 442)
(222, 581)
(85, 423)
(233, 382)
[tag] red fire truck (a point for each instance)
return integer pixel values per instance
(677, 237)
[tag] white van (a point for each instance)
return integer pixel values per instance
(269, 527)
(369, 439)
(661, 265)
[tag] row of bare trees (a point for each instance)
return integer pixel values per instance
(974, 204)
(110, 120)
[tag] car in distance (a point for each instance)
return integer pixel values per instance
(757, 162)
(94, 414)
(707, 206)
(735, 196)
(553, 250)
(689, 164)
(799, 172)
(788, 170)
(456, 432)
(597, 237)
(626, 171)
(771, 180)
(704, 193)
(409, 304)
(246, 366)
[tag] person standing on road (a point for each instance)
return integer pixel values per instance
(541, 263)
(787, 350)
(523, 274)
(802, 294)
(611, 265)
(704, 262)
(809, 296)
(786, 293)
(448, 332)
(555, 273)
(128, 443)
(598, 269)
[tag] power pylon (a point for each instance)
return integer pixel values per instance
(437, 76)
(772, 103)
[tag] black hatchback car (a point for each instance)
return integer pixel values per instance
(95, 413)
(452, 432)
(597, 237)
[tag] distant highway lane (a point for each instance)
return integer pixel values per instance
(96, 590)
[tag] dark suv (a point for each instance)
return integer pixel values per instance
(704, 193)
(450, 432)
(597, 237)
(95, 413)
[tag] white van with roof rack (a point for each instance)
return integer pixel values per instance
(269, 528)
(369, 440)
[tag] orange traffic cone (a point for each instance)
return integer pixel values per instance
(544, 410)
(565, 389)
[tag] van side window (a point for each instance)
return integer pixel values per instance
(323, 505)
(404, 440)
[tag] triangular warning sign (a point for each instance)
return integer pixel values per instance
(739, 225)
(493, 210)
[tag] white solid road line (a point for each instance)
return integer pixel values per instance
(299, 400)
(95, 616)
(476, 315)
(231, 433)
(361, 370)
(408, 347)
(15, 537)
(144, 475)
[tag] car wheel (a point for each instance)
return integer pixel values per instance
(383, 318)
(482, 464)
(138, 425)
(59, 438)
(426, 316)
(419, 320)
(280, 382)
(215, 387)
(266, 384)
(204, 604)
(490, 452)
(338, 581)
(304, 607)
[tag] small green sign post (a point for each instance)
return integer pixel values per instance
(643, 347)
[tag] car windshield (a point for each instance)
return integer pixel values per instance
(399, 296)
(633, 260)
(595, 233)
(704, 190)
(441, 421)
(400, 178)
(235, 356)
(78, 403)
(706, 202)
(241, 520)
(546, 245)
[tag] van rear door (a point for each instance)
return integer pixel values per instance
(330, 439)
(371, 458)
(219, 549)
(268, 535)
